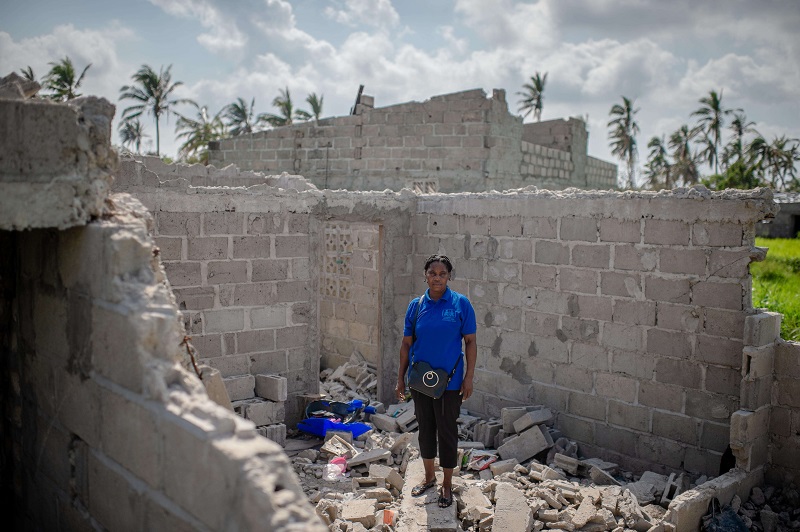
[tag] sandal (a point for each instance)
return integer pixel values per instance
(422, 488)
(445, 502)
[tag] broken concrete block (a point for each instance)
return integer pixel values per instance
(367, 457)
(529, 419)
(379, 494)
(384, 422)
(407, 420)
(272, 387)
(644, 492)
(485, 474)
(336, 446)
(546, 473)
(474, 505)
(215, 387)
(261, 412)
(511, 509)
(524, 446)
(363, 483)
(673, 488)
(359, 511)
(567, 463)
(510, 414)
(586, 511)
(346, 435)
(601, 478)
(503, 466)
(392, 477)
(608, 467)
(659, 482)
(402, 441)
(276, 433)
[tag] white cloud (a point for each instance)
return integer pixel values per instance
(354, 13)
(224, 35)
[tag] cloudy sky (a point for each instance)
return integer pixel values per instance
(665, 54)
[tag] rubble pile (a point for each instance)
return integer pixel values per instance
(355, 379)
(771, 509)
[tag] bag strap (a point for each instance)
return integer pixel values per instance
(414, 327)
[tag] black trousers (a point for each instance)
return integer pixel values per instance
(437, 421)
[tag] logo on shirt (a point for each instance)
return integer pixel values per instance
(449, 315)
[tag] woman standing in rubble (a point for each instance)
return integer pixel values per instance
(443, 320)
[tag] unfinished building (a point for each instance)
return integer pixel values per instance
(627, 314)
(460, 142)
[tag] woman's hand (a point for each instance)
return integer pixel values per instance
(400, 391)
(466, 389)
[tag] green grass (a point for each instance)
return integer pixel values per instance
(776, 282)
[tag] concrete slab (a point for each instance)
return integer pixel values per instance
(423, 513)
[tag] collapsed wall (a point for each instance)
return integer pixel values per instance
(624, 312)
(102, 426)
(455, 142)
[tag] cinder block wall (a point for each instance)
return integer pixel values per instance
(107, 430)
(623, 313)
(784, 427)
(462, 141)
(261, 288)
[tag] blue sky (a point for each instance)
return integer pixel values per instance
(666, 55)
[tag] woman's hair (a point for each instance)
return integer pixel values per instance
(439, 258)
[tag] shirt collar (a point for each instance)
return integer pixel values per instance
(446, 296)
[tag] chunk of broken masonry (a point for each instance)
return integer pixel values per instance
(524, 446)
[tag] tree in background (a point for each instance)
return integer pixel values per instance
(775, 162)
(28, 74)
(532, 96)
(286, 110)
(240, 117)
(623, 136)
(711, 121)
(62, 80)
(154, 92)
(684, 162)
(198, 133)
(315, 102)
(736, 148)
(658, 168)
(131, 132)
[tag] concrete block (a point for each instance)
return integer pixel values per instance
(251, 247)
(276, 433)
(503, 466)
(360, 511)
(240, 387)
(393, 478)
(260, 412)
(524, 446)
(510, 414)
(511, 509)
(666, 232)
(368, 457)
(384, 422)
(614, 230)
(271, 387)
(718, 295)
(207, 248)
(635, 258)
(531, 418)
(762, 329)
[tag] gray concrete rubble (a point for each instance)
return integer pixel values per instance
(544, 484)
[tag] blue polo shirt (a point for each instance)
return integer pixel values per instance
(440, 328)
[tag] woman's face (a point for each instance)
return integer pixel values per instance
(437, 276)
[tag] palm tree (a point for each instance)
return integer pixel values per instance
(62, 80)
(283, 101)
(28, 74)
(198, 133)
(240, 117)
(776, 160)
(711, 121)
(658, 167)
(154, 92)
(684, 162)
(131, 132)
(623, 135)
(740, 127)
(316, 107)
(532, 96)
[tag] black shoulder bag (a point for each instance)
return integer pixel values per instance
(422, 377)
